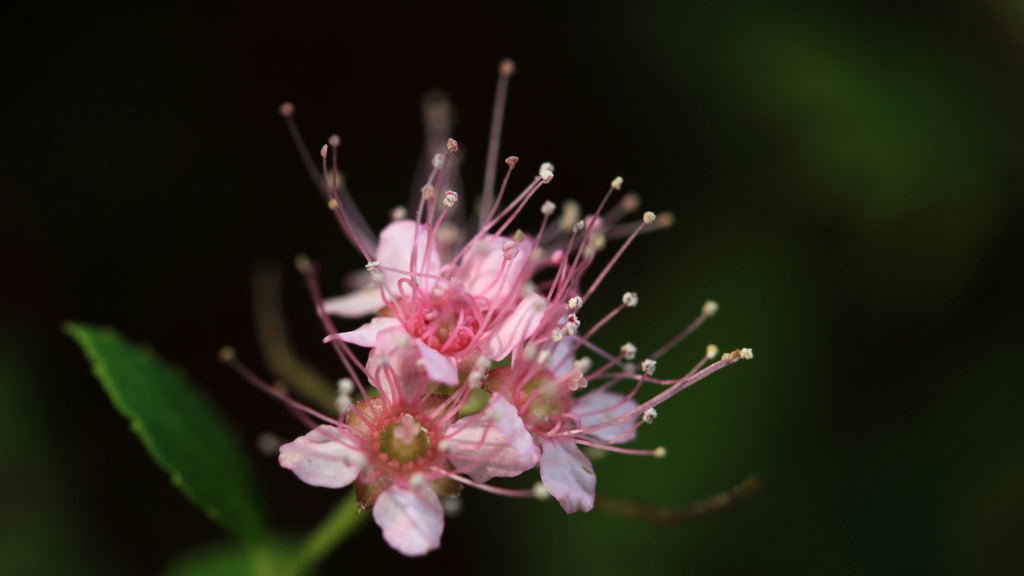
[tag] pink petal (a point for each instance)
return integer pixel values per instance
(411, 518)
(440, 368)
(393, 366)
(516, 328)
(599, 407)
(492, 442)
(323, 457)
(366, 335)
(568, 475)
(562, 357)
(482, 263)
(356, 304)
(395, 251)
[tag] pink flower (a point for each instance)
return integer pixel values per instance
(407, 448)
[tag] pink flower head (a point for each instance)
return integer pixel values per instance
(408, 447)
(478, 305)
(446, 299)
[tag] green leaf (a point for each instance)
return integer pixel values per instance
(182, 430)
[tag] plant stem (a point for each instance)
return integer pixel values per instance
(332, 531)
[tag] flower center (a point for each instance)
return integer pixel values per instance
(448, 324)
(404, 441)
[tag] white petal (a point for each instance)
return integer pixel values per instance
(514, 329)
(411, 518)
(598, 407)
(492, 442)
(366, 335)
(323, 457)
(356, 304)
(568, 475)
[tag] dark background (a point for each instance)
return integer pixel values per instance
(847, 182)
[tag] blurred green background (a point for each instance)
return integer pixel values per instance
(847, 183)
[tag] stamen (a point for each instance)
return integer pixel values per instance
(649, 415)
(628, 351)
(630, 299)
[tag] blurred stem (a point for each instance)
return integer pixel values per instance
(332, 531)
(741, 494)
(272, 336)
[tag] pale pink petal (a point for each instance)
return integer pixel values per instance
(492, 442)
(599, 407)
(562, 357)
(366, 335)
(568, 475)
(323, 457)
(514, 329)
(395, 251)
(440, 368)
(393, 366)
(411, 518)
(356, 304)
(481, 266)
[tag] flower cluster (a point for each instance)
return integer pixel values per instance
(479, 365)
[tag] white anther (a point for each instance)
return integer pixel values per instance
(630, 299)
(323, 151)
(346, 386)
(575, 303)
(617, 183)
(418, 480)
(547, 167)
(452, 507)
(648, 366)
(428, 192)
(438, 161)
(450, 198)
(569, 329)
(539, 491)
(598, 242)
(507, 67)
(373, 267)
(544, 356)
(453, 146)
(711, 352)
(710, 308)
(546, 176)
(286, 109)
(649, 217)
(557, 335)
(399, 213)
(343, 404)
(573, 320)
(583, 364)
(747, 354)
(334, 141)
(628, 351)
(578, 226)
(649, 415)
(660, 452)
(530, 352)
(548, 208)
